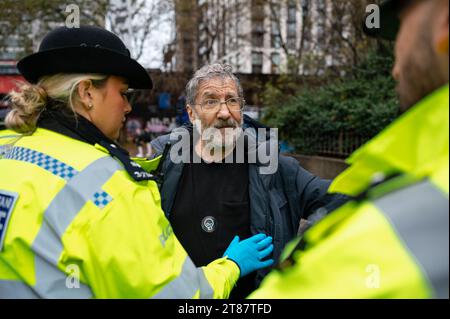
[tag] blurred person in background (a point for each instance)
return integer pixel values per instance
(142, 141)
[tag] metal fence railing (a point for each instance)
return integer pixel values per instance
(341, 144)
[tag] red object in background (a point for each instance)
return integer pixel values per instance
(9, 82)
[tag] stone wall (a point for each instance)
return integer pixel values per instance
(325, 167)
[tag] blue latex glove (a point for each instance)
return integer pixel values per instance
(249, 253)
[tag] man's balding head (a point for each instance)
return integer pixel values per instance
(421, 50)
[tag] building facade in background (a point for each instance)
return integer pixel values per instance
(267, 36)
(253, 36)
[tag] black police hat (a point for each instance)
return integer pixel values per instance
(389, 20)
(86, 49)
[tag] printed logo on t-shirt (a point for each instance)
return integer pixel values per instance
(209, 224)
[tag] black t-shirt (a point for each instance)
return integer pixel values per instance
(211, 207)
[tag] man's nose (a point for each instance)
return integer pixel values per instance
(224, 112)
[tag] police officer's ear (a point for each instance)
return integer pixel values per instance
(85, 89)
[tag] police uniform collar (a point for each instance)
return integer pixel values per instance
(83, 130)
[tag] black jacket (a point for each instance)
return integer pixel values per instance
(277, 201)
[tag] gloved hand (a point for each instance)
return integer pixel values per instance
(249, 253)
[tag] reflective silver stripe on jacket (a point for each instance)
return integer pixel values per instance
(186, 285)
(47, 246)
(10, 289)
(420, 215)
(51, 282)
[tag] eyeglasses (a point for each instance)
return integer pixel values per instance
(234, 104)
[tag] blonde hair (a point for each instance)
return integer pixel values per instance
(30, 100)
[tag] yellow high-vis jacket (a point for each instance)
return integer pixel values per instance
(392, 240)
(74, 224)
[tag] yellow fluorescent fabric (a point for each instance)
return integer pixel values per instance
(359, 251)
(96, 224)
(359, 257)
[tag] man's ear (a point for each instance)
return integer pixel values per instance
(440, 39)
(191, 113)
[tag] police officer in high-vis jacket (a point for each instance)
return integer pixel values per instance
(78, 217)
(392, 240)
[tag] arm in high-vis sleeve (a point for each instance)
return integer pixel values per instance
(128, 250)
(362, 258)
(222, 274)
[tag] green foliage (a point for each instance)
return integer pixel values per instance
(361, 103)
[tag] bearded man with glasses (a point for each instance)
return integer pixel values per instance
(222, 188)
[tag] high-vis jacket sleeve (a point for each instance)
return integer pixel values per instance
(127, 249)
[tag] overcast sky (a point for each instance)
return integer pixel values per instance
(161, 36)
